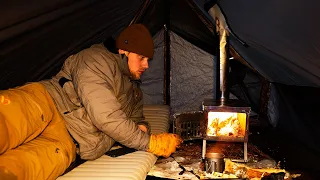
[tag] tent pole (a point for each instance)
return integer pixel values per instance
(166, 65)
(141, 11)
(167, 57)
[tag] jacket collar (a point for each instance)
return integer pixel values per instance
(123, 65)
(122, 61)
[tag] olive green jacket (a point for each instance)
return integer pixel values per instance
(100, 103)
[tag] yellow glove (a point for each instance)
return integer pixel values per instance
(164, 144)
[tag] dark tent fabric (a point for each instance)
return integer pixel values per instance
(157, 12)
(302, 118)
(37, 36)
(283, 46)
(281, 36)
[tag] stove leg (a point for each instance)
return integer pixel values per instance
(204, 148)
(245, 151)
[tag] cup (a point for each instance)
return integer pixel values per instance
(214, 162)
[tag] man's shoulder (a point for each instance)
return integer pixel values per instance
(97, 58)
(98, 52)
(96, 49)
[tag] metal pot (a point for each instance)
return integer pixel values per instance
(214, 162)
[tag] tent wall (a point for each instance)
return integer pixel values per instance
(245, 84)
(297, 113)
(152, 80)
(191, 75)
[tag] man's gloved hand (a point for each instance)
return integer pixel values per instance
(164, 144)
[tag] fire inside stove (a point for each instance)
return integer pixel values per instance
(230, 124)
(225, 121)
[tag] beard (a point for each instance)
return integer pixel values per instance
(135, 76)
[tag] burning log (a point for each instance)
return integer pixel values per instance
(224, 124)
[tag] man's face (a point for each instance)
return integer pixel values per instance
(137, 64)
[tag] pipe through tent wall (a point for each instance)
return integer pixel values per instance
(222, 29)
(214, 11)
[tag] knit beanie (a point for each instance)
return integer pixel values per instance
(136, 38)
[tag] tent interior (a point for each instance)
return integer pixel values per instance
(274, 51)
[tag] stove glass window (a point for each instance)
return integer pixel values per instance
(231, 124)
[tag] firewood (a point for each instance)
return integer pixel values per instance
(244, 171)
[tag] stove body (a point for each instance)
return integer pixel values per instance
(225, 121)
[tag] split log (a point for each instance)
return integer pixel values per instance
(243, 171)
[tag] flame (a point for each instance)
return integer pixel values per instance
(224, 124)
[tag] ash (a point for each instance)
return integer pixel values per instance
(186, 162)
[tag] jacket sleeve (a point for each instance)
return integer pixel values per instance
(94, 81)
(137, 113)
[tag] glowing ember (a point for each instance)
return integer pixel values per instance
(226, 124)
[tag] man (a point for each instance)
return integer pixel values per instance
(95, 97)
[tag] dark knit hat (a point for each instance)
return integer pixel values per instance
(136, 38)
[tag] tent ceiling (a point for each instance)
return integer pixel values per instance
(185, 18)
(35, 42)
(283, 38)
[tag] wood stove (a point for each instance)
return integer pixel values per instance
(221, 119)
(225, 121)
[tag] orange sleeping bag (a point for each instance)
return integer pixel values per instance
(34, 141)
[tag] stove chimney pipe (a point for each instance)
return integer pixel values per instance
(222, 29)
(224, 67)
